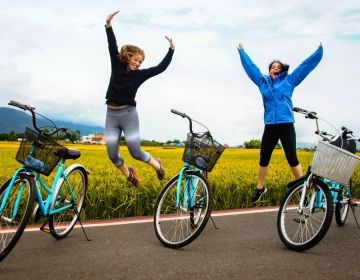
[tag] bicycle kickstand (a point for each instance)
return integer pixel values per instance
(213, 222)
(81, 225)
(353, 205)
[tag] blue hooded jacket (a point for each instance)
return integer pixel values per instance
(277, 93)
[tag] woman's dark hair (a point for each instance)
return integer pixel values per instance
(284, 67)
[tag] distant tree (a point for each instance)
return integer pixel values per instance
(150, 143)
(252, 144)
(256, 144)
(176, 141)
(75, 135)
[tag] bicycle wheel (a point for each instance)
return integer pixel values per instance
(16, 211)
(302, 228)
(343, 205)
(178, 224)
(69, 197)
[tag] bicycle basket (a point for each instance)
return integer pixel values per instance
(38, 152)
(202, 152)
(334, 163)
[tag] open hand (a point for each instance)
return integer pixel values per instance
(172, 45)
(109, 18)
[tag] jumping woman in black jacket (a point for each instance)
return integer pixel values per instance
(121, 115)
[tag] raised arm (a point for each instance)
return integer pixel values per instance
(250, 68)
(113, 48)
(304, 69)
(161, 67)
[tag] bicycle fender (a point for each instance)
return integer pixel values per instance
(295, 182)
(66, 172)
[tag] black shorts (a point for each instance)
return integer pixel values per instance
(272, 134)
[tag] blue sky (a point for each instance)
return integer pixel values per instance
(53, 55)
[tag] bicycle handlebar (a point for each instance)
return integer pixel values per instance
(183, 115)
(308, 114)
(21, 106)
(178, 113)
(345, 132)
(32, 111)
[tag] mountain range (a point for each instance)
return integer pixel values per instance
(16, 120)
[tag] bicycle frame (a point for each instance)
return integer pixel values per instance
(45, 209)
(334, 188)
(318, 203)
(190, 188)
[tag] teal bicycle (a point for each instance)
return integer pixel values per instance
(306, 212)
(64, 200)
(183, 207)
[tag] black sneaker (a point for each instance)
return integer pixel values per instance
(258, 193)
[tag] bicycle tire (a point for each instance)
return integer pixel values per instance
(300, 231)
(11, 228)
(70, 192)
(176, 227)
(343, 205)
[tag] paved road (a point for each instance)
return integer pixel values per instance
(246, 246)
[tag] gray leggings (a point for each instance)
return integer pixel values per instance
(123, 120)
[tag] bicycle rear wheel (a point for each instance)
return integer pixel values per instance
(68, 201)
(16, 211)
(178, 224)
(343, 205)
(302, 228)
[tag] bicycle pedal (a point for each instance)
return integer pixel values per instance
(45, 229)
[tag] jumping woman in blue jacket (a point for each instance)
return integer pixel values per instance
(276, 90)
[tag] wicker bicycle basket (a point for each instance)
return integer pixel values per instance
(334, 163)
(202, 152)
(38, 152)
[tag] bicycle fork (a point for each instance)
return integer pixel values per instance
(306, 202)
(6, 196)
(189, 194)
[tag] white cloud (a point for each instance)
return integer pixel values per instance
(54, 55)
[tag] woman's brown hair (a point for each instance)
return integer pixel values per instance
(127, 51)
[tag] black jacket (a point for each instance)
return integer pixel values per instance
(124, 84)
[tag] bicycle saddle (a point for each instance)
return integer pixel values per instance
(68, 153)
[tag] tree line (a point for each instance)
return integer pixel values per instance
(13, 136)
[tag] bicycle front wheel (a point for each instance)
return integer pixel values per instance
(182, 209)
(302, 227)
(68, 201)
(16, 212)
(342, 206)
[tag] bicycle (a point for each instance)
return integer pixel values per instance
(305, 214)
(64, 200)
(184, 205)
